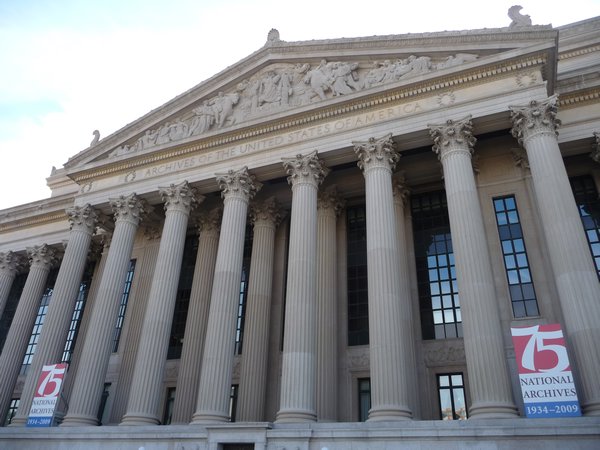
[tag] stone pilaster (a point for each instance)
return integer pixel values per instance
(251, 399)
(9, 267)
(54, 333)
(145, 394)
(41, 258)
(491, 395)
(401, 193)
(535, 126)
(89, 383)
(188, 376)
(329, 206)
(237, 187)
(298, 378)
(389, 319)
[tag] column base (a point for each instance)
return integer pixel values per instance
(139, 420)
(295, 416)
(493, 411)
(204, 417)
(389, 413)
(589, 409)
(18, 422)
(79, 420)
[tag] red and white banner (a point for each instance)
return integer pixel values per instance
(46, 395)
(544, 372)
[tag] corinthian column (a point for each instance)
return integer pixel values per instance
(217, 360)
(390, 340)
(41, 258)
(299, 370)
(188, 376)
(484, 349)
(9, 266)
(54, 333)
(91, 372)
(251, 400)
(576, 279)
(329, 206)
(401, 193)
(144, 397)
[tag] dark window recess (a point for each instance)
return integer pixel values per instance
(182, 300)
(233, 398)
(451, 393)
(12, 410)
(11, 306)
(103, 400)
(123, 305)
(168, 413)
(436, 274)
(516, 263)
(39, 321)
(241, 316)
(588, 204)
(364, 398)
(80, 303)
(358, 289)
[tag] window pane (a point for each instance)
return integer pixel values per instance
(588, 203)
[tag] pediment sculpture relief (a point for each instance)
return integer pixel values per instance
(284, 86)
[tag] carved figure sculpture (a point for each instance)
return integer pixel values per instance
(342, 77)
(318, 79)
(96, 134)
(163, 134)
(223, 107)
(518, 19)
(456, 60)
(269, 89)
(204, 117)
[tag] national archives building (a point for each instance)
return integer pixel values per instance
(324, 246)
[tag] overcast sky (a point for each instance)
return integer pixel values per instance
(71, 66)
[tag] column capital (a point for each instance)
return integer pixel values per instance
(82, 218)
(210, 221)
(267, 212)
(329, 200)
(400, 188)
(454, 135)
(42, 256)
(240, 183)
(10, 262)
(595, 155)
(128, 208)
(534, 118)
(376, 153)
(305, 169)
(181, 197)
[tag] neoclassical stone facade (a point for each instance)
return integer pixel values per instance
(323, 246)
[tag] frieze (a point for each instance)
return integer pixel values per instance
(358, 359)
(284, 86)
(444, 353)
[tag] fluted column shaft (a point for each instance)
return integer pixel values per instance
(217, 359)
(298, 378)
(574, 271)
(9, 265)
(328, 208)
(145, 394)
(401, 193)
(91, 372)
(54, 333)
(251, 398)
(489, 382)
(188, 376)
(42, 258)
(390, 340)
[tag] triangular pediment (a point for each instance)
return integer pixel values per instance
(286, 78)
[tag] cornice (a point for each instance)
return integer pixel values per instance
(338, 108)
(57, 216)
(578, 52)
(579, 98)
